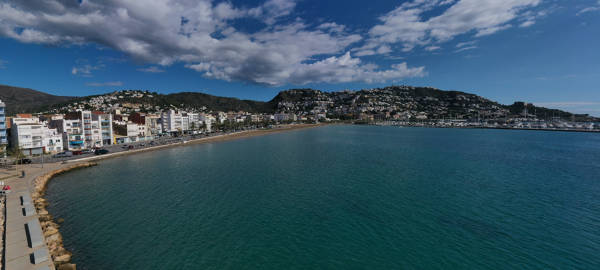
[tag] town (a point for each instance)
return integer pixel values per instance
(134, 117)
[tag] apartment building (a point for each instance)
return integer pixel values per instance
(84, 130)
(34, 137)
(172, 121)
(3, 135)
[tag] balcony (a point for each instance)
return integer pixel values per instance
(75, 142)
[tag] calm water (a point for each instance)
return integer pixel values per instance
(342, 197)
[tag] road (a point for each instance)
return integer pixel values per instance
(116, 148)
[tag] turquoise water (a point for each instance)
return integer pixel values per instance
(342, 197)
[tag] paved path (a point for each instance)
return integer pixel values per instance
(18, 253)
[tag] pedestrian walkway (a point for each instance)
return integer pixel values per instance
(25, 246)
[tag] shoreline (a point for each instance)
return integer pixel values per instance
(60, 256)
(212, 139)
(52, 236)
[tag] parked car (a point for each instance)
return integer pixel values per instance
(77, 152)
(87, 151)
(64, 154)
(24, 161)
(101, 152)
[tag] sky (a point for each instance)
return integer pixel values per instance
(540, 51)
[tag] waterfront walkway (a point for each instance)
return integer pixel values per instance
(22, 238)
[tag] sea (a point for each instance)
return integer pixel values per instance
(341, 197)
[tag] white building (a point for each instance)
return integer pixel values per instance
(172, 121)
(33, 137)
(3, 135)
(84, 129)
(106, 127)
(52, 140)
(207, 119)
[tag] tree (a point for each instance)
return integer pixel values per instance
(16, 152)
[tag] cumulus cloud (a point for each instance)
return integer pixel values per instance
(408, 27)
(200, 34)
(101, 84)
(151, 69)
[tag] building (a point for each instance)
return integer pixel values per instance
(84, 130)
(3, 135)
(34, 137)
(207, 119)
(52, 140)
(27, 134)
(71, 131)
(106, 127)
(153, 124)
(172, 121)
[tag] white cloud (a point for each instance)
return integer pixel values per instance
(84, 69)
(526, 23)
(593, 8)
(347, 69)
(466, 44)
(465, 48)
(151, 69)
(407, 26)
(101, 84)
(271, 10)
(432, 48)
(200, 34)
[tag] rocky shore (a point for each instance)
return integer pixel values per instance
(60, 256)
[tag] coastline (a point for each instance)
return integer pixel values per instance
(61, 257)
(53, 239)
(212, 139)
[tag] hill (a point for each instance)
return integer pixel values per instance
(22, 100)
(393, 102)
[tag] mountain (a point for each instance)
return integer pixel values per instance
(22, 100)
(408, 102)
(397, 102)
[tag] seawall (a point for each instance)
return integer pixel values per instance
(54, 241)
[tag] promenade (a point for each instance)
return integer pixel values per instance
(23, 234)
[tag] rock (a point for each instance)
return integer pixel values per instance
(53, 238)
(62, 258)
(67, 266)
(50, 231)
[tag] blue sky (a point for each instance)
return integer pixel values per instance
(541, 51)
